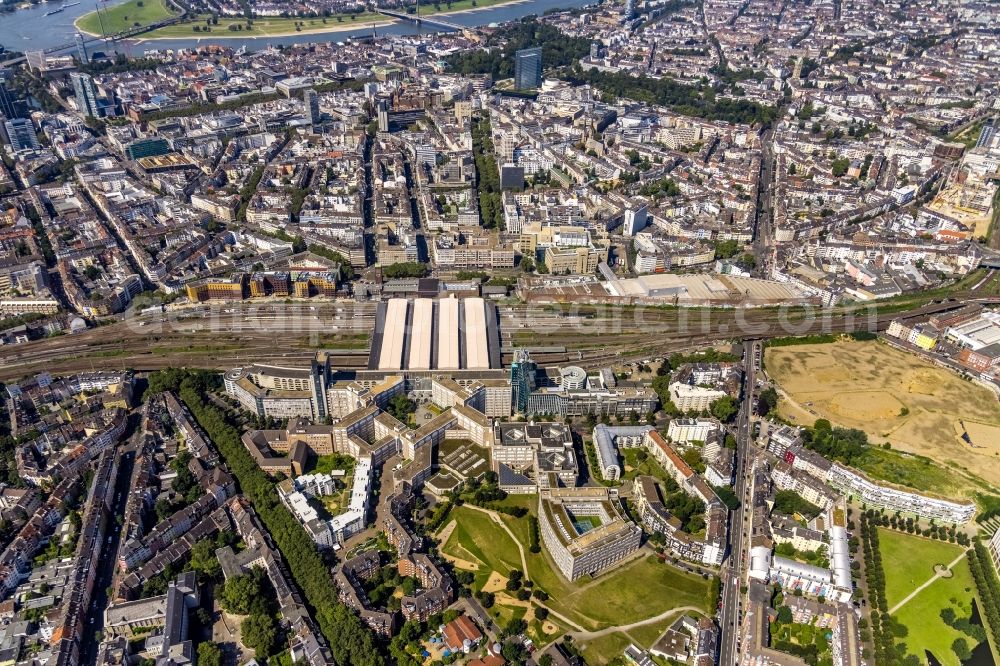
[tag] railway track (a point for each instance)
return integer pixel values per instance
(624, 334)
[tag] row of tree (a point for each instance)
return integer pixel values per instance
(437, 516)
(346, 270)
(678, 359)
(885, 630)
(988, 585)
(487, 175)
(405, 269)
(875, 577)
(486, 494)
(533, 535)
(911, 526)
(351, 643)
(8, 466)
(819, 339)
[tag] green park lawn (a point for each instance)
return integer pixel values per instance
(502, 614)
(641, 589)
(124, 16)
(909, 561)
(263, 27)
(635, 468)
(328, 463)
(144, 12)
(477, 537)
(458, 5)
(922, 616)
(602, 650)
(647, 635)
(633, 592)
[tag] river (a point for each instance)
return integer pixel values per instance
(31, 30)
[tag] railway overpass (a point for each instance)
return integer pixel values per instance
(991, 259)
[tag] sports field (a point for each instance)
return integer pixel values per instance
(894, 397)
(909, 562)
(124, 16)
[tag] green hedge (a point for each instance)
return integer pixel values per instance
(533, 544)
(882, 638)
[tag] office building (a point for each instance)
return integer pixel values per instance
(528, 69)
(81, 48)
(22, 135)
(986, 135)
(540, 451)
(585, 530)
(7, 109)
(597, 397)
(511, 177)
(609, 439)
(231, 288)
(383, 117)
(147, 147)
(693, 398)
(311, 99)
(574, 260)
(522, 380)
(636, 219)
(86, 94)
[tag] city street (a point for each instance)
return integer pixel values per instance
(108, 557)
(733, 567)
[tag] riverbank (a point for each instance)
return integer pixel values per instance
(264, 28)
(470, 7)
(30, 29)
(129, 14)
(272, 27)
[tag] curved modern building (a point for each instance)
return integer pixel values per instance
(572, 378)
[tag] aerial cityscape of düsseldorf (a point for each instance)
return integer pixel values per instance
(500, 332)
